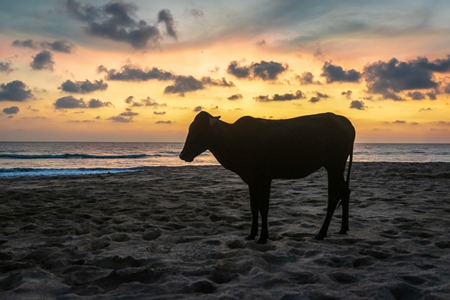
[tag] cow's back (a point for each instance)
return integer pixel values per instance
(296, 147)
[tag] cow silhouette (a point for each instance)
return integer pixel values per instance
(260, 150)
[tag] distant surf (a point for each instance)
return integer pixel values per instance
(54, 159)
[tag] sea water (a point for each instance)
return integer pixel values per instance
(51, 159)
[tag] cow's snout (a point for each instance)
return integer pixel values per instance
(185, 158)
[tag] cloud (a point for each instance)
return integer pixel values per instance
(416, 95)
(347, 94)
(115, 21)
(14, 91)
(95, 103)
(318, 97)
(135, 73)
(399, 122)
(166, 17)
(181, 83)
(25, 43)
(235, 97)
(11, 110)
(357, 104)
(43, 61)
(143, 102)
(159, 113)
(70, 102)
(306, 78)
(334, 73)
(425, 109)
(388, 78)
(163, 122)
(120, 119)
(5, 67)
(83, 87)
(129, 114)
(184, 84)
(262, 70)
(198, 108)
(196, 13)
(284, 97)
(59, 45)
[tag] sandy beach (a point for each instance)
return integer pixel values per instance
(178, 233)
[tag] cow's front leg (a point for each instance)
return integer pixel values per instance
(259, 199)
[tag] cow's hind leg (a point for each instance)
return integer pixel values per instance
(335, 188)
(345, 200)
(254, 206)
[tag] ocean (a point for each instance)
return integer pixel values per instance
(61, 158)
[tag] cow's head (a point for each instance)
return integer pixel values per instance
(199, 136)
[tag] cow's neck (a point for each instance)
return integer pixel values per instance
(223, 145)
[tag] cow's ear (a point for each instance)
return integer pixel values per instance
(213, 120)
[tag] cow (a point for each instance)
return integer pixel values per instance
(260, 150)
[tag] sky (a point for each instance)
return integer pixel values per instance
(139, 71)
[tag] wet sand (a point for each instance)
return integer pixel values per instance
(178, 233)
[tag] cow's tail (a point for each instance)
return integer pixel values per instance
(349, 169)
(347, 182)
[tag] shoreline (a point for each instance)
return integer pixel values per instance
(178, 232)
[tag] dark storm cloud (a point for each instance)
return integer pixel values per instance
(14, 91)
(357, 104)
(115, 21)
(306, 78)
(59, 46)
(235, 97)
(83, 87)
(70, 102)
(334, 73)
(11, 110)
(166, 17)
(135, 73)
(394, 76)
(278, 97)
(262, 70)
(5, 67)
(43, 61)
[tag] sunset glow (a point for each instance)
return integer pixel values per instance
(74, 70)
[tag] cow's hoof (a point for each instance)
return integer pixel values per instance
(262, 241)
(251, 237)
(319, 237)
